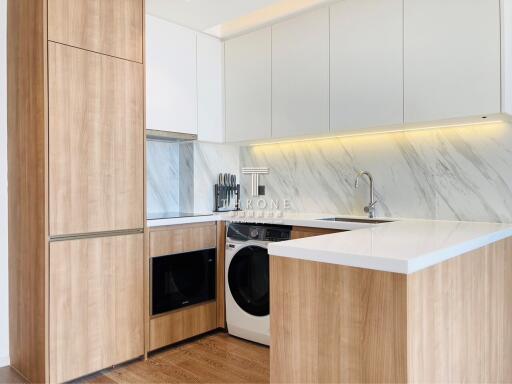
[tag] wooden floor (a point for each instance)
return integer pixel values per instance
(216, 358)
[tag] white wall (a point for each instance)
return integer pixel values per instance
(4, 307)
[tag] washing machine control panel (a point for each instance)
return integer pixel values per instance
(245, 232)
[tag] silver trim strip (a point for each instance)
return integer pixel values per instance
(169, 136)
(91, 235)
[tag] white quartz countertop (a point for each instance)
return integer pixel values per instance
(404, 246)
(300, 220)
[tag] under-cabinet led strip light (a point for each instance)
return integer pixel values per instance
(348, 135)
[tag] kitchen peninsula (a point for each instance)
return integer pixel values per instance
(407, 301)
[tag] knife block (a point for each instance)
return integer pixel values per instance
(221, 201)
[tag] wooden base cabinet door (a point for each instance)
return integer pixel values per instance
(96, 142)
(96, 304)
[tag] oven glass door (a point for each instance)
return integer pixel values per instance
(183, 279)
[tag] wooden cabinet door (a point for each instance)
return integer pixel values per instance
(96, 304)
(300, 75)
(451, 59)
(171, 87)
(248, 71)
(366, 64)
(302, 232)
(112, 27)
(96, 142)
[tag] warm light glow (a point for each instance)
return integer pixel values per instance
(271, 13)
(488, 124)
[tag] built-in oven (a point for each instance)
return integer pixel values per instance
(183, 279)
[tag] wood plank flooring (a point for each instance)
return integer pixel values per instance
(216, 358)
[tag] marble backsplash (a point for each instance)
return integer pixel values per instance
(181, 176)
(462, 173)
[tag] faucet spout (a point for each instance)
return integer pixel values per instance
(370, 208)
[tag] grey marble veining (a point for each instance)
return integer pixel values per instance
(462, 173)
(162, 167)
(181, 176)
(210, 160)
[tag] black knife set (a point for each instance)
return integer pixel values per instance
(227, 193)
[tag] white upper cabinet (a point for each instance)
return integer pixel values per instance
(171, 79)
(300, 75)
(210, 113)
(452, 58)
(506, 56)
(248, 86)
(366, 64)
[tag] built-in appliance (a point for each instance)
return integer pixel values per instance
(182, 279)
(247, 279)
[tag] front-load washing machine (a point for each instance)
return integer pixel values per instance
(247, 279)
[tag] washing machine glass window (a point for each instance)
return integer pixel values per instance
(248, 278)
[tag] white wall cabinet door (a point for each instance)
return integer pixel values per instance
(171, 82)
(300, 75)
(451, 58)
(248, 86)
(210, 96)
(366, 64)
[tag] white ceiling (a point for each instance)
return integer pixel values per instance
(225, 18)
(203, 14)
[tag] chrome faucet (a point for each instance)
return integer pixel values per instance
(370, 208)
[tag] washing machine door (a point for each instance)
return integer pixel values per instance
(248, 279)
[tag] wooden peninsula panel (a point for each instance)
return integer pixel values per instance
(332, 323)
(460, 318)
(447, 323)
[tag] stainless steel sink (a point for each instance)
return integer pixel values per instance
(363, 221)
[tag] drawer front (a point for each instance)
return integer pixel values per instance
(183, 238)
(182, 324)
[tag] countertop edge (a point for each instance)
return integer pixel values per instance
(387, 264)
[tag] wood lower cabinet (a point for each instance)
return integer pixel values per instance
(111, 27)
(301, 232)
(181, 324)
(96, 142)
(182, 238)
(449, 323)
(96, 304)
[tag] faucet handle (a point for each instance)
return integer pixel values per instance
(370, 208)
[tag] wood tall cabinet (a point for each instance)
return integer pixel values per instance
(95, 142)
(76, 185)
